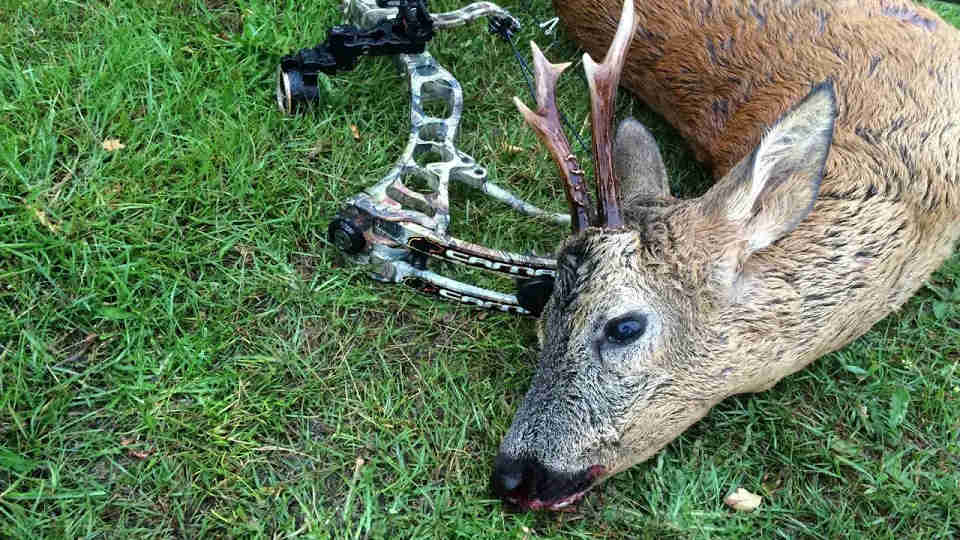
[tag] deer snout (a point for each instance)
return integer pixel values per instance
(511, 477)
(529, 485)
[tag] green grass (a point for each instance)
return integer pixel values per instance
(244, 382)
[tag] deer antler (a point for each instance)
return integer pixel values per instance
(603, 80)
(546, 123)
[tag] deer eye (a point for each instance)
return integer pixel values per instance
(625, 329)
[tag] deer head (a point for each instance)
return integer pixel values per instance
(636, 340)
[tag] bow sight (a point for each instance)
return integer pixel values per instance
(390, 227)
(406, 33)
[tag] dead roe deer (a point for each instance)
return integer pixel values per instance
(833, 129)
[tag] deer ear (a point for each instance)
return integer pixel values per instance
(637, 162)
(772, 190)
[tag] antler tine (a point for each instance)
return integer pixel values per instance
(603, 80)
(546, 123)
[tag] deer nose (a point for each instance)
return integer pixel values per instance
(507, 475)
(513, 479)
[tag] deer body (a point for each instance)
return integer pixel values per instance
(831, 209)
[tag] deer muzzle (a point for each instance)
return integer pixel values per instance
(527, 484)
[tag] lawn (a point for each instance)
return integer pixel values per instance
(183, 355)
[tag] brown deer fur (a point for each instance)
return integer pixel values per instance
(733, 302)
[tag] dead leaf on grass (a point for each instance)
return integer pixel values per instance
(136, 454)
(742, 500)
(356, 132)
(140, 454)
(513, 149)
(112, 145)
(45, 220)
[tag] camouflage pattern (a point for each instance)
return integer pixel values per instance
(397, 217)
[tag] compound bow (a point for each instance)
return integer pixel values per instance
(394, 229)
